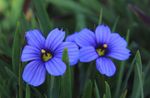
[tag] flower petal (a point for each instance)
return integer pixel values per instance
(73, 52)
(119, 53)
(55, 67)
(30, 53)
(87, 54)
(35, 38)
(71, 38)
(34, 73)
(105, 66)
(117, 41)
(85, 38)
(102, 34)
(54, 39)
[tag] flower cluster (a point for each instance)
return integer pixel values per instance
(46, 54)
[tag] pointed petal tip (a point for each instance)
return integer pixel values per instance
(54, 39)
(35, 38)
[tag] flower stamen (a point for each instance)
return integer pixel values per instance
(105, 46)
(43, 51)
(102, 50)
(46, 55)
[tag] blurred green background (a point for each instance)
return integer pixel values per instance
(129, 18)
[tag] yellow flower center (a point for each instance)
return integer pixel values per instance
(46, 55)
(102, 50)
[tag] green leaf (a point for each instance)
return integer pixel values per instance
(104, 96)
(80, 21)
(16, 49)
(97, 95)
(72, 6)
(51, 80)
(107, 92)
(87, 92)
(10, 73)
(115, 24)
(66, 82)
(20, 81)
(100, 16)
(137, 91)
(42, 16)
(27, 91)
(128, 74)
(123, 95)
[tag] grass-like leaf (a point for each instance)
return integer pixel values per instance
(66, 81)
(27, 91)
(137, 91)
(87, 92)
(107, 92)
(96, 91)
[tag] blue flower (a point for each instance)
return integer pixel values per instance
(46, 55)
(71, 38)
(102, 46)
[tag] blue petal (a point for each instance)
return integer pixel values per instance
(87, 54)
(117, 47)
(54, 39)
(102, 34)
(105, 66)
(71, 38)
(30, 53)
(119, 53)
(117, 41)
(35, 39)
(73, 52)
(34, 73)
(85, 38)
(55, 67)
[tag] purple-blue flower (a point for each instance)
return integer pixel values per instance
(71, 38)
(102, 46)
(46, 55)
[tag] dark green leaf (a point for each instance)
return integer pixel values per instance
(66, 78)
(96, 91)
(107, 92)
(87, 92)
(27, 91)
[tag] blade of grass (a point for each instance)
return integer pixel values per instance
(123, 95)
(51, 86)
(71, 6)
(80, 21)
(128, 74)
(97, 95)
(115, 24)
(20, 81)
(27, 91)
(107, 92)
(66, 78)
(100, 16)
(87, 92)
(42, 15)
(16, 49)
(139, 70)
(137, 90)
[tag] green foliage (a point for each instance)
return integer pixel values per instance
(83, 80)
